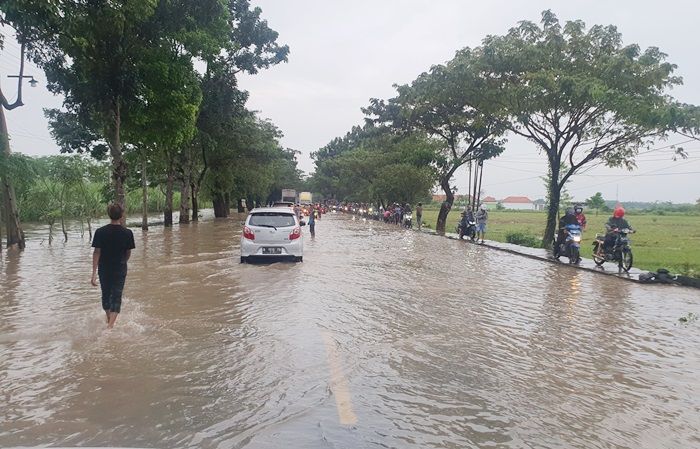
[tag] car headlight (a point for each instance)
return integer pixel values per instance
(577, 238)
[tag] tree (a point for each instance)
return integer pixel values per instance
(99, 57)
(451, 103)
(596, 202)
(581, 96)
(373, 164)
(14, 232)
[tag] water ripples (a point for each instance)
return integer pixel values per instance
(441, 344)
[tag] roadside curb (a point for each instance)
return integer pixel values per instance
(544, 255)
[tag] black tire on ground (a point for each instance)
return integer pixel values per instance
(574, 255)
(626, 260)
(555, 250)
(243, 259)
(598, 260)
(299, 259)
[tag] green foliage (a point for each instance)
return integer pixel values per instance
(374, 165)
(156, 200)
(520, 238)
(596, 201)
(451, 104)
(580, 94)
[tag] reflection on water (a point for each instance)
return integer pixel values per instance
(381, 338)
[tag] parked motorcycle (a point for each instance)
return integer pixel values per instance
(571, 247)
(469, 230)
(408, 220)
(620, 252)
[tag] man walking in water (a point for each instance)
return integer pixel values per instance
(113, 244)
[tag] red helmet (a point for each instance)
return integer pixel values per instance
(619, 212)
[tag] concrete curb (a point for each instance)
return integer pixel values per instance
(544, 255)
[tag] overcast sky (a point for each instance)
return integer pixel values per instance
(345, 52)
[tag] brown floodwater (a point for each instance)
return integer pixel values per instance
(381, 338)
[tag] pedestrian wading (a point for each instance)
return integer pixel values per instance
(113, 244)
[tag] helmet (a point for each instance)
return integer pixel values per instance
(619, 212)
(570, 211)
(578, 208)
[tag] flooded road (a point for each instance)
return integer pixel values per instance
(381, 338)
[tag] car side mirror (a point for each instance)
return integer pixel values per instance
(302, 223)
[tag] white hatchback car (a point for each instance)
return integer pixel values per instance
(272, 233)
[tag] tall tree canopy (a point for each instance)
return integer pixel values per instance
(581, 95)
(452, 103)
(373, 164)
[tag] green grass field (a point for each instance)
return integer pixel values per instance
(661, 241)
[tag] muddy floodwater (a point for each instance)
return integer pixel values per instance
(381, 338)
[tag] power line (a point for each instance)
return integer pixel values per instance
(625, 178)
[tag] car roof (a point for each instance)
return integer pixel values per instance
(282, 210)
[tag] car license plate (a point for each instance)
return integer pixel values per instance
(273, 250)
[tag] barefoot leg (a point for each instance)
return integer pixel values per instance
(112, 319)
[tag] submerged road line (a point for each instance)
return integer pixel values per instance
(339, 383)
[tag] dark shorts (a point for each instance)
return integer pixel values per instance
(112, 285)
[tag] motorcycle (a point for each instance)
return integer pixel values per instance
(469, 230)
(407, 220)
(620, 252)
(571, 247)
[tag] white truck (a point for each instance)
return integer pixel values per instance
(305, 198)
(289, 196)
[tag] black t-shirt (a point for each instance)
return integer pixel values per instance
(113, 241)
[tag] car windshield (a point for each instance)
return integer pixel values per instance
(275, 219)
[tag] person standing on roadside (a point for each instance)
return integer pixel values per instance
(482, 217)
(419, 215)
(312, 223)
(113, 244)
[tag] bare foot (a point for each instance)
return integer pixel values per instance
(112, 319)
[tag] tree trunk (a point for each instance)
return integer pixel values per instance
(119, 168)
(445, 207)
(14, 232)
(195, 202)
(220, 206)
(185, 200)
(144, 189)
(63, 227)
(553, 207)
(50, 233)
(89, 223)
(168, 209)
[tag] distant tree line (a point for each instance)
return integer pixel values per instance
(580, 95)
(151, 86)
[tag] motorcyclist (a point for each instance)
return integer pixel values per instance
(463, 224)
(569, 218)
(580, 216)
(615, 223)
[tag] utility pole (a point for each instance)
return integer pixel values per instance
(14, 232)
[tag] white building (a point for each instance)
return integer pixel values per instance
(518, 203)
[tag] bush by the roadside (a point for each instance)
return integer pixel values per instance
(522, 239)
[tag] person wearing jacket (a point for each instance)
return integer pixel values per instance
(616, 222)
(482, 217)
(580, 216)
(569, 218)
